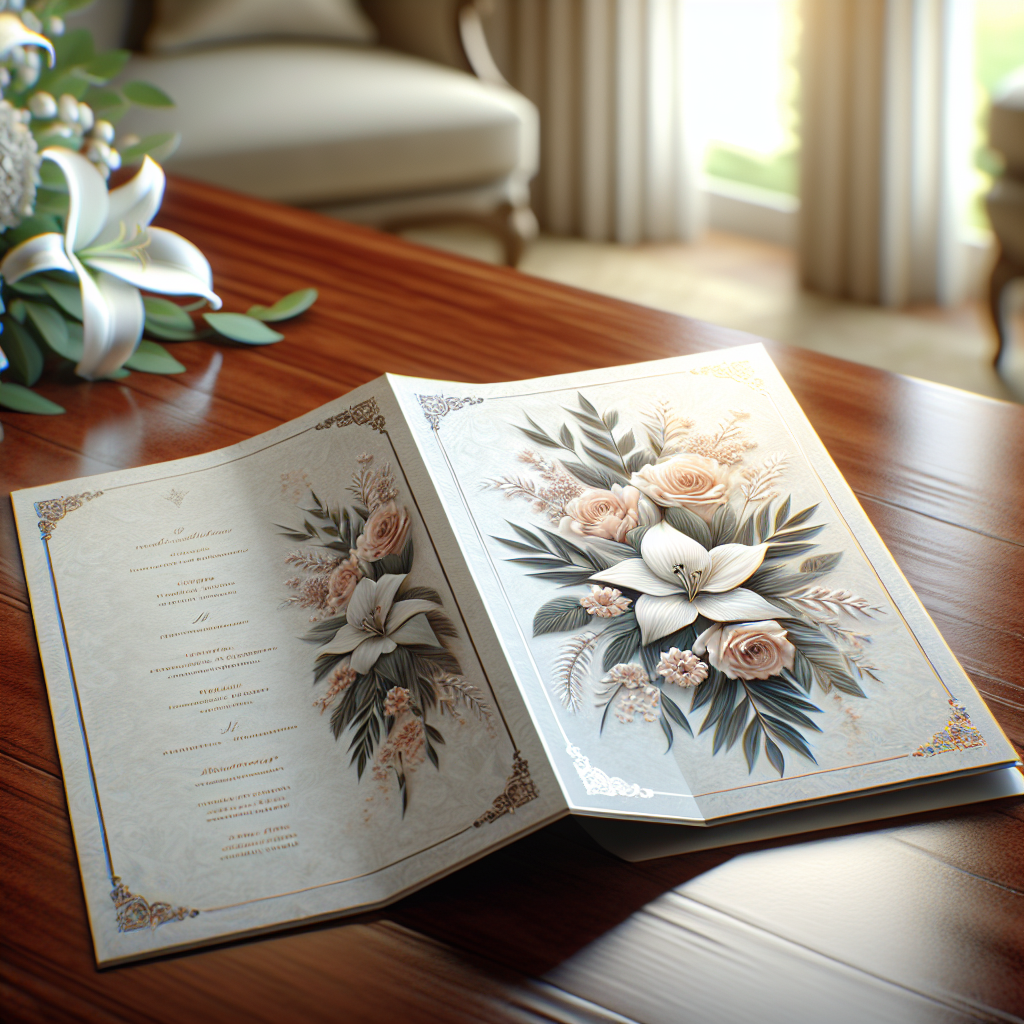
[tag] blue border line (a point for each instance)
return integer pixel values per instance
(78, 710)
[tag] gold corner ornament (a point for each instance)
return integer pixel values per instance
(362, 413)
(134, 912)
(52, 510)
(740, 370)
(960, 734)
(436, 407)
(519, 789)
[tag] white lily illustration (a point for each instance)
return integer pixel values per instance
(13, 32)
(109, 245)
(679, 579)
(377, 623)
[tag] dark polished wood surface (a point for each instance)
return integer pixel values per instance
(920, 920)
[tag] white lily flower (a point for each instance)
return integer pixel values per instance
(14, 32)
(377, 623)
(109, 245)
(679, 579)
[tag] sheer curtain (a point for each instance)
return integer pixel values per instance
(885, 148)
(617, 161)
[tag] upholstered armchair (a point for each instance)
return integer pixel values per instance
(416, 127)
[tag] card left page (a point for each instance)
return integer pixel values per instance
(267, 703)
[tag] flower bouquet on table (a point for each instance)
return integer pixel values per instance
(700, 580)
(75, 258)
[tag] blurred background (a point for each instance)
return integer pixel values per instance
(814, 171)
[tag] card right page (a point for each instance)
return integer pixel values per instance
(700, 615)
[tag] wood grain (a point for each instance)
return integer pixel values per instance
(918, 920)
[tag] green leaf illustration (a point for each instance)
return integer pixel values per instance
(560, 614)
(22, 350)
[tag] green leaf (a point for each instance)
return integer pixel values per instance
(146, 95)
(34, 225)
(105, 66)
(104, 99)
(67, 294)
(53, 328)
(22, 350)
(166, 314)
(673, 711)
(239, 327)
(689, 523)
(821, 563)
(73, 48)
(559, 615)
(14, 396)
(284, 309)
(153, 358)
(159, 147)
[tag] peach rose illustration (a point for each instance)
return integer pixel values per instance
(342, 582)
(687, 481)
(384, 533)
(747, 650)
(597, 513)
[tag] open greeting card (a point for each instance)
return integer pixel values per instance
(306, 674)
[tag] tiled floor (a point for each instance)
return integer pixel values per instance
(752, 286)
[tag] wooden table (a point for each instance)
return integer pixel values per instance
(918, 921)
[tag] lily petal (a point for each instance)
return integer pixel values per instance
(416, 631)
(14, 33)
(365, 656)
(737, 605)
(402, 611)
(87, 196)
(664, 547)
(135, 203)
(384, 595)
(708, 640)
(731, 564)
(126, 316)
(634, 574)
(660, 616)
(170, 265)
(348, 638)
(361, 603)
(42, 252)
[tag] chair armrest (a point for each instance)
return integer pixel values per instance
(447, 31)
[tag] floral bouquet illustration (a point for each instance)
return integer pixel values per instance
(699, 579)
(383, 643)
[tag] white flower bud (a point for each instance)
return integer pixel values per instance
(31, 21)
(15, 5)
(104, 131)
(5, 77)
(42, 105)
(32, 58)
(27, 76)
(56, 26)
(129, 140)
(67, 107)
(85, 116)
(98, 152)
(113, 159)
(17, 55)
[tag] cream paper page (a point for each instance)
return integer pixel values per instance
(218, 785)
(698, 611)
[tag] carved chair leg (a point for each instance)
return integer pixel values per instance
(1002, 274)
(515, 226)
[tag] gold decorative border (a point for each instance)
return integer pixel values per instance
(436, 407)
(134, 912)
(367, 413)
(741, 370)
(519, 789)
(960, 734)
(52, 510)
